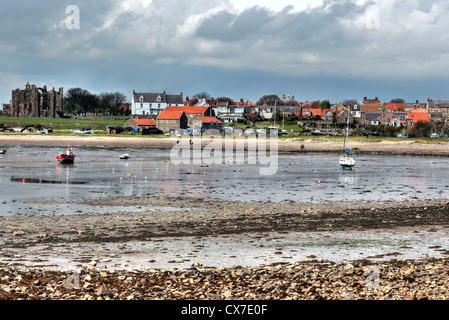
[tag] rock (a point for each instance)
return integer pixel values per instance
(103, 291)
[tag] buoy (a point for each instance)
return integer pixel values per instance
(201, 166)
(431, 162)
(23, 180)
(319, 182)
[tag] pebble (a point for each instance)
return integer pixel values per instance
(421, 279)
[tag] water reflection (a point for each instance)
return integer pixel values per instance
(301, 177)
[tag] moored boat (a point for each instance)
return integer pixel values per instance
(347, 158)
(124, 156)
(3, 151)
(67, 157)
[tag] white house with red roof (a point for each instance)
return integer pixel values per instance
(151, 104)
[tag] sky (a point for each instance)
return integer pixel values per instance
(312, 49)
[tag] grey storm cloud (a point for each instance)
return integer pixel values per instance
(377, 39)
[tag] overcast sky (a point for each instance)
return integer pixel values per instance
(311, 49)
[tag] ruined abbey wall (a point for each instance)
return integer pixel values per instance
(36, 102)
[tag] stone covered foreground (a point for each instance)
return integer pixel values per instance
(424, 279)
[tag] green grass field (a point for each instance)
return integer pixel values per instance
(61, 124)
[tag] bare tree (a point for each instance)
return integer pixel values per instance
(202, 95)
(110, 102)
(79, 101)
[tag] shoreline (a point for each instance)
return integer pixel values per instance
(392, 147)
(35, 238)
(314, 279)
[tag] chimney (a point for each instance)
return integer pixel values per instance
(364, 98)
(376, 99)
(417, 102)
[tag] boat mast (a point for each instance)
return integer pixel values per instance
(347, 131)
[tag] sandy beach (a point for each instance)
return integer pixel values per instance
(402, 146)
(312, 279)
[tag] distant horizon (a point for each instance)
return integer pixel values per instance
(252, 101)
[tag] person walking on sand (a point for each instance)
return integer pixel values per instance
(302, 147)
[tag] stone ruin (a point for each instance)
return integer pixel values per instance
(36, 102)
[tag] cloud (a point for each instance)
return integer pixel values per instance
(379, 39)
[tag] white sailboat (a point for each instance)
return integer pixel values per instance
(347, 158)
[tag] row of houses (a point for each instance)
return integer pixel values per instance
(172, 111)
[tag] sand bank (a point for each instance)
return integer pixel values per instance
(405, 146)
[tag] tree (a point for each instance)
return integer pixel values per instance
(325, 104)
(202, 95)
(315, 105)
(422, 128)
(397, 100)
(110, 102)
(79, 101)
(349, 102)
(269, 100)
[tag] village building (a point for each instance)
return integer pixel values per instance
(171, 120)
(137, 123)
(192, 113)
(439, 109)
(206, 123)
(342, 118)
(231, 111)
(36, 102)
(151, 104)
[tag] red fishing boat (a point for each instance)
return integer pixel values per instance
(67, 157)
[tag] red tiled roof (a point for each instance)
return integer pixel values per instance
(419, 116)
(170, 115)
(316, 112)
(188, 109)
(145, 122)
(395, 106)
(205, 119)
(415, 116)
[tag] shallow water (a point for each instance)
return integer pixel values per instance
(32, 183)
(32, 174)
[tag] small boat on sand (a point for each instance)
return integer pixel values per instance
(67, 157)
(3, 151)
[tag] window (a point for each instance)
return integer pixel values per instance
(141, 105)
(151, 105)
(159, 98)
(159, 105)
(141, 98)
